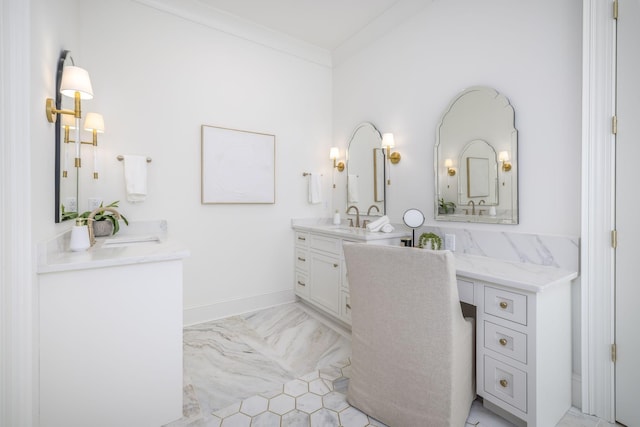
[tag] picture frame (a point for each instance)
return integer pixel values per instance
(238, 166)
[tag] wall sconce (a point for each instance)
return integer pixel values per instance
(93, 123)
(448, 163)
(334, 153)
(388, 143)
(503, 157)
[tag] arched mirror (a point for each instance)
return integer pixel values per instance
(365, 170)
(475, 159)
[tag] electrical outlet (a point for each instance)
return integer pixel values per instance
(450, 242)
(94, 203)
(70, 204)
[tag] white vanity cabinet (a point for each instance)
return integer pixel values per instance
(320, 272)
(110, 336)
(523, 337)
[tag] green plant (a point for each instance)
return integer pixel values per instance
(100, 216)
(436, 241)
(445, 207)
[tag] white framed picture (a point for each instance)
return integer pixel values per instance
(237, 166)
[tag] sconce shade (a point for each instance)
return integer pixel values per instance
(68, 121)
(387, 140)
(503, 156)
(334, 153)
(448, 163)
(76, 79)
(94, 121)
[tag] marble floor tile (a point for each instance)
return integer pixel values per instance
(285, 366)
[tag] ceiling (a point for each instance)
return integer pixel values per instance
(324, 23)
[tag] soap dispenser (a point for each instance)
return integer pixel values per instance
(336, 218)
(79, 236)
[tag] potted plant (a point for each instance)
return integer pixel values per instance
(446, 207)
(430, 241)
(105, 222)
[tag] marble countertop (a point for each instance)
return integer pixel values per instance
(524, 276)
(133, 245)
(325, 226)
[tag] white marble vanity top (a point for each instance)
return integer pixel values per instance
(524, 276)
(325, 226)
(141, 242)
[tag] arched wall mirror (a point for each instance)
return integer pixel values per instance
(365, 170)
(475, 159)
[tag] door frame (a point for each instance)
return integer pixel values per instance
(598, 209)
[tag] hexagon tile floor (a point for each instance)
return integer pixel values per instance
(225, 360)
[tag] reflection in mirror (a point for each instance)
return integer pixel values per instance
(478, 124)
(365, 171)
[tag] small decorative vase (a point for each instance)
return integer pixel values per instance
(102, 228)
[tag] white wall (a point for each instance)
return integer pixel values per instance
(157, 78)
(528, 51)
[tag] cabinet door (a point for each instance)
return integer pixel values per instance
(326, 272)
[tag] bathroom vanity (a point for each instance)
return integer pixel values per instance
(110, 331)
(523, 319)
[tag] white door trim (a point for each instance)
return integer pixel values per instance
(16, 266)
(598, 209)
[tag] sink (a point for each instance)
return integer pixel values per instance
(129, 241)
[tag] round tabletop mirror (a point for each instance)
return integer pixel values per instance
(413, 218)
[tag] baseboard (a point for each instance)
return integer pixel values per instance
(576, 390)
(219, 310)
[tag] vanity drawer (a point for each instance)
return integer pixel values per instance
(466, 291)
(506, 383)
(302, 239)
(325, 244)
(301, 287)
(507, 305)
(301, 260)
(505, 341)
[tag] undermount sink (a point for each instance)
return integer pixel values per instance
(129, 241)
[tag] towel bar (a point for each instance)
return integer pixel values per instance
(121, 158)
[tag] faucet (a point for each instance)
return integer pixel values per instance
(480, 203)
(90, 220)
(357, 214)
(371, 207)
(473, 207)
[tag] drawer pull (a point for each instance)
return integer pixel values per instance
(301, 283)
(348, 306)
(301, 238)
(503, 305)
(335, 265)
(503, 341)
(302, 259)
(504, 383)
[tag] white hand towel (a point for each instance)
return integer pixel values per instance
(135, 176)
(352, 188)
(377, 224)
(315, 188)
(387, 228)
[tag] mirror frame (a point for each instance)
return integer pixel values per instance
(476, 129)
(58, 101)
(378, 185)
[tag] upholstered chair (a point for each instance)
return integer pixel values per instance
(412, 349)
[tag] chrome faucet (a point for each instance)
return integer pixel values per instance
(371, 207)
(357, 214)
(473, 207)
(90, 221)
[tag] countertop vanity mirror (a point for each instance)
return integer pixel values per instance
(365, 171)
(476, 152)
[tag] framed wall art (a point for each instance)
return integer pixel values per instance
(237, 166)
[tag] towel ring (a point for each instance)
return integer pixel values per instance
(121, 158)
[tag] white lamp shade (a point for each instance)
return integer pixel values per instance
(76, 79)
(334, 153)
(448, 163)
(503, 156)
(68, 121)
(387, 140)
(94, 121)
